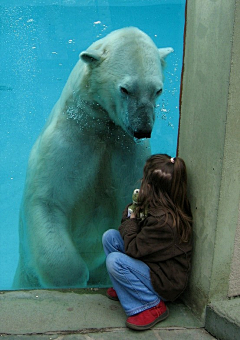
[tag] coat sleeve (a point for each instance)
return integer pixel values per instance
(125, 214)
(143, 242)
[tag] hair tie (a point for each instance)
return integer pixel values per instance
(172, 160)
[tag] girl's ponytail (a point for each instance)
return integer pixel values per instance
(180, 200)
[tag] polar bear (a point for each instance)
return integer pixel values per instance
(87, 160)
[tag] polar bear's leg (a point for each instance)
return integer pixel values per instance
(99, 276)
(24, 278)
(52, 253)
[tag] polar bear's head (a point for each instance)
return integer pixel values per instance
(125, 71)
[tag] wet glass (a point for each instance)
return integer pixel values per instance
(40, 44)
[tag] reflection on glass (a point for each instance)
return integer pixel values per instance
(90, 154)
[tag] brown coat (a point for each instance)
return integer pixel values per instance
(158, 245)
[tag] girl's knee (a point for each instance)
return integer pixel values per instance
(108, 235)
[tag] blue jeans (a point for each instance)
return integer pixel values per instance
(130, 277)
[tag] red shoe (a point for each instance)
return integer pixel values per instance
(111, 294)
(148, 318)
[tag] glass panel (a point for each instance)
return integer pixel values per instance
(87, 162)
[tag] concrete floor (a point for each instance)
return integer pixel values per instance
(56, 315)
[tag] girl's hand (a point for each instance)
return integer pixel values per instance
(133, 215)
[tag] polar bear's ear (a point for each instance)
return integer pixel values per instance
(165, 51)
(90, 56)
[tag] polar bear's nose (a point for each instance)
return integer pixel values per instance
(142, 134)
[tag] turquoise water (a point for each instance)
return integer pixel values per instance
(40, 44)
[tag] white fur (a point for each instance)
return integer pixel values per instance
(85, 164)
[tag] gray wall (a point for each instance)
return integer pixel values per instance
(209, 143)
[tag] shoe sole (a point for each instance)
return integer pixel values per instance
(112, 298)
(150, 325)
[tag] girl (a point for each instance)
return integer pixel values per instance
(148, 259)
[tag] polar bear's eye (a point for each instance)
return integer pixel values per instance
(159, 92)
(124, 90)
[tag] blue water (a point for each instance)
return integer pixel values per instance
(40, 44)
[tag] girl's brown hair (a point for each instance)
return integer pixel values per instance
(164, 186)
